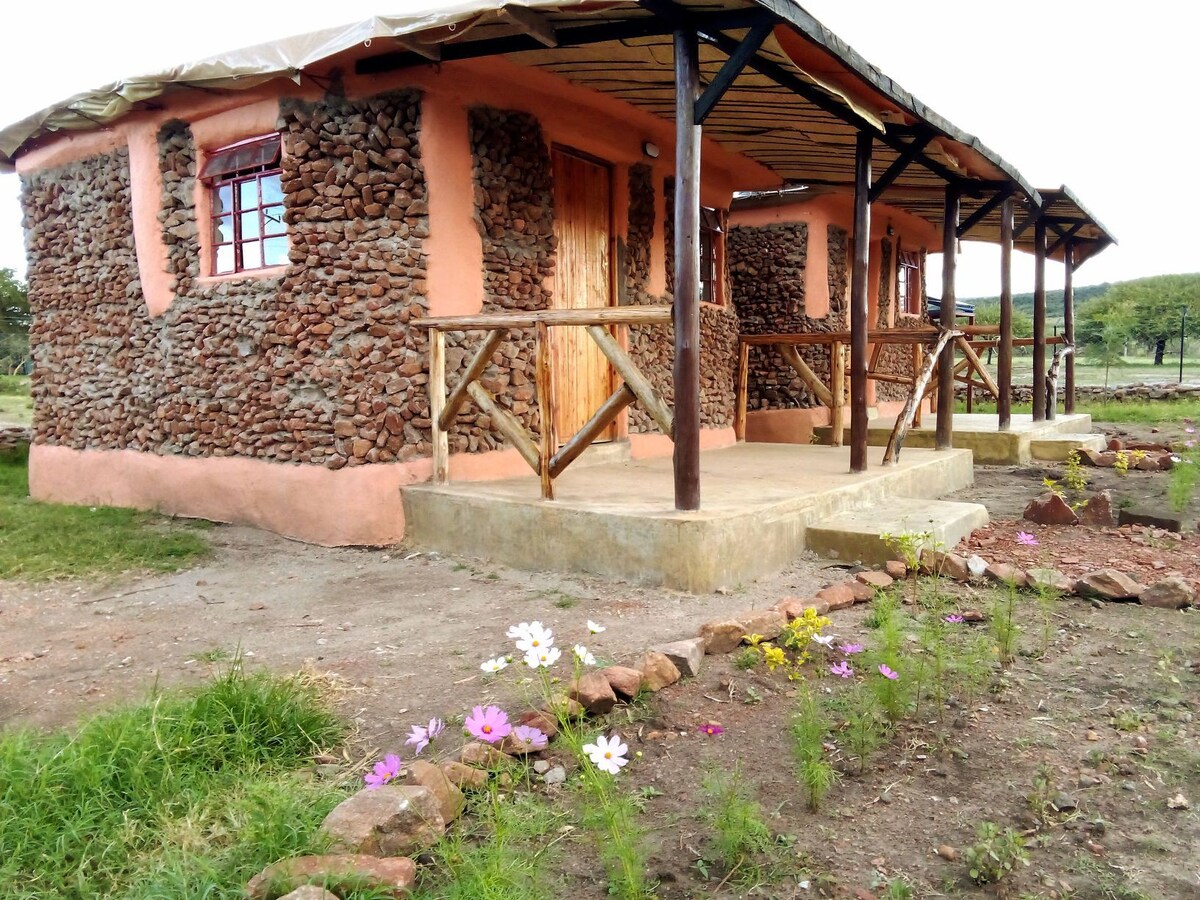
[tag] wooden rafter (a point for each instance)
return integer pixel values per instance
(533, 24)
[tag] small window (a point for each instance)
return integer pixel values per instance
(244, 181)
(710, 227)
(908, 283)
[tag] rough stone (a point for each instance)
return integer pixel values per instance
(1173, 592)
(1040, 578)
(556, 775)
(449, 797)
(392, 820)
(1050, 509)
(687, 655)
(1003, 573)
(657, 670)
(594, 693)
(309, 892)
(1138, 517)
(1098, 511)
(876, 579)
(836, 596)
(896, 569)
(723, 636)
(948, 565)
(1108, 584)
(625, 681)
(477, 753)
(861, 592)
(976, 565)
(464, 777)
(543, 721)
(793, 607)
(766, 622)
(394, 874)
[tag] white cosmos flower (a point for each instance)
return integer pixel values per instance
(584, 655)
(593, 628)
(542, 658)
(608, 754)
(824, 640)
(535, 638)
(492, 666)
(518, 631)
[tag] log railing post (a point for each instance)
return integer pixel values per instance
(1069, 324)
(741, 394)
(1039, 320)
(837, 393)
(918, 365)
(859, 310)
(1004, 362)
(437, 402)
(545, 403)
(944, 438)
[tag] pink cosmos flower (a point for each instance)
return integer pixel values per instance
(1190, 430)
(1024, 537)
(710, 728)
(954, 619)
(488, 724)
(385, 770)
(421, 735)
(842, 669)
(851, 649)
(530, 738)
(888, 673)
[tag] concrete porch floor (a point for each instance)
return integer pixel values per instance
(617, 519)
(977, 432)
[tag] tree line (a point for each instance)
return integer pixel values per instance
(14, 323)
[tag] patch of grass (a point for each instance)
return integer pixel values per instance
(741, 841)
(14, 385)
(184, 795)
(44, 541)
(1130, 412)
(1110, 884)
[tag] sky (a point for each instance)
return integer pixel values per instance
(1091, 95)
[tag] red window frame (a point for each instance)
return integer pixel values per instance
(246, 216)
(710, 227)
(908, 283)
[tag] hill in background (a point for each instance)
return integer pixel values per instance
(1054, 299)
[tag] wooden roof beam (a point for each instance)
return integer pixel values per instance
(980, 214)
(1066, 238)
(729, 72)
(431, 52)
(910, 153)
(533, 24)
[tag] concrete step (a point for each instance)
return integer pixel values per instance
(603, 453)
(1056, 447)
(857, 535)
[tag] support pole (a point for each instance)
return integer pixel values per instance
(944, 438)
(1039, 320)
(859, 324)
(686, 373)
(1004, 364)
(1069, 324)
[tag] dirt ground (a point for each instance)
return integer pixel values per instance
(403, 634)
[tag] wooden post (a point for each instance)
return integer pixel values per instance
(1004, 363)
(837, 393)
(944, 438)
(686, 459)
(437, 401)
(741, 397)
(545, 404)
(1039, 320)
(918, 365)
(1069, 324)
(859, 324)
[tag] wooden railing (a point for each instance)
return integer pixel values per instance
(542, 453)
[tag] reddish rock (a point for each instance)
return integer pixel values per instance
(393, 820)
(465, 778)
(1103, 459)
(594, 693)
(876, 579)
(1050, 509)
(722, 637)
(543, 721)
(1098, 511)
(862, 592)
(687, 655)
(624, 681)
(657, 671)
(948, 565)
(1173, 592)
(1108, 584)
(792, 607)
(837, 596)
(1049, 579)
(562, 706)
(766, 622)
(426, 774)
(896, 569)
(1115, 444)
(480, 754)
(1003, 573)
(1148, 463)
(394, 874)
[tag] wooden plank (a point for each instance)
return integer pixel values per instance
(793, 358)
(479, 362)
(534, 24)
(613, 315)
(437, 400)
(944, 438)
(686, 458)
(1039, 321)
(582, 439)
(632, 375)
(507, 424)
(922, 334)
(837, 390)
(545, 402)
(742, 391)
(918, 362)
(907, 415)
(859, 307)
(1069, 324)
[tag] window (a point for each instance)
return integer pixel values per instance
(248, 231)
(710, 227)
(908, 283)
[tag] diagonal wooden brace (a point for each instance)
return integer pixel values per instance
(637, 382)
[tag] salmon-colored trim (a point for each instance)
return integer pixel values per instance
(145, 179)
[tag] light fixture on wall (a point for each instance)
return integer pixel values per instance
(650, 149)
(890, 230)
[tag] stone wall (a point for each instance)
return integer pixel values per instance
(894, 359)
(316, 366)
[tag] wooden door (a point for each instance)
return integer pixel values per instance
(583, 278)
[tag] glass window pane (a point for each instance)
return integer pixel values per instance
(222, 199)
(248, 194)
(252, 255)
(275, 251)
(224, 259)
(223, 230)
(272, 189)
(249, 225)
(273, 220)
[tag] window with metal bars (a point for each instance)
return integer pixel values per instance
(245, 186)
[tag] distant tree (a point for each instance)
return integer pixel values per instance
(14, 321)
(989, 314)
(1105, 344)
(1152, 309)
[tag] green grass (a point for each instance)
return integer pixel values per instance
(14, 385)
(44, 541)
(183, 795)
(1130, 412)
